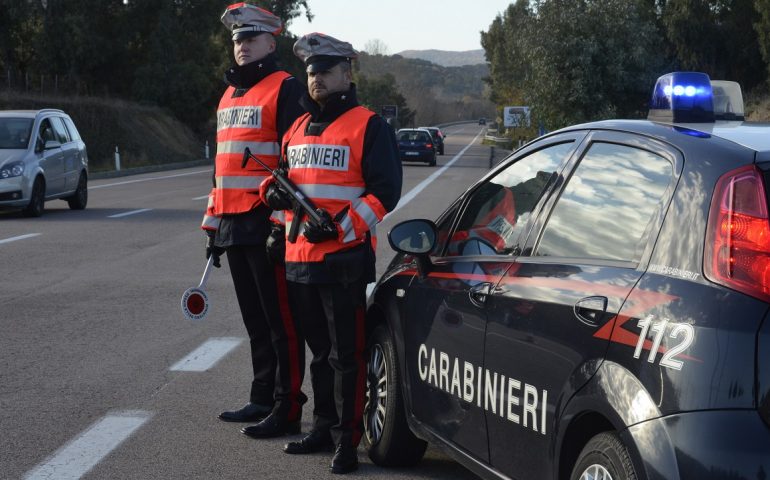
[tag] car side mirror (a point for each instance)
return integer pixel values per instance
(415, 237)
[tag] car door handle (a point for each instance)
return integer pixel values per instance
(590, 309)
(478, 293)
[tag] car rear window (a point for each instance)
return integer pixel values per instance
(608, 205)
(14, 133)
(413, 137)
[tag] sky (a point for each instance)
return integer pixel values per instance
(403, 24)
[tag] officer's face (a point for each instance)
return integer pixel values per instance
(322, 84)
(251, 49)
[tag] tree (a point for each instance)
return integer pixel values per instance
(376, 47)
(598, 59)
(505, 45)
(716, 37)
(378, 91)
(762, 27)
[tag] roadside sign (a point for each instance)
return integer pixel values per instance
(516, 117)
(389, 111)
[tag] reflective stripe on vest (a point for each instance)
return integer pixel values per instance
(328, 169)
(246, 121)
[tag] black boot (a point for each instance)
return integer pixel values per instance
(315, 441)
(274, 425)
(251, 412)
(345, 459)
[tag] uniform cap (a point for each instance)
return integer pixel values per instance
(246, 20)
(320, 52)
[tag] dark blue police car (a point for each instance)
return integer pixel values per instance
(594, 308)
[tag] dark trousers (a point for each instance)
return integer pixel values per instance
(332, 319)
(277, 347)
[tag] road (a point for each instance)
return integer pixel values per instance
(90, 328)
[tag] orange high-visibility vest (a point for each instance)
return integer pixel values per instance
(246, 121)
(328, 170)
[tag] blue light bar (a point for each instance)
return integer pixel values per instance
(682, 97)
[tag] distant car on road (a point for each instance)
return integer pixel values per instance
(416, 144)
(438, 138)
(482, 121)
(42, 157)
(596, 307)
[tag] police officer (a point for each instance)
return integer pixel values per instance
(260, 103)
(345, 159)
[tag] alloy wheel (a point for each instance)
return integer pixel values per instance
(376, 395)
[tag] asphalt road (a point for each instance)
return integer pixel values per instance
(90, 326)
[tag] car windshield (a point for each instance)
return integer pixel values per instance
(412, 137)
(14, 133)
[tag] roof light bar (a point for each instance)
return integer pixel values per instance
(682, 97)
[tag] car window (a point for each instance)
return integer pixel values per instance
(45, 133)
(608, 205)
(60, 130)
(14, 132)
(497, 211)
(413, 137)
(74, 134)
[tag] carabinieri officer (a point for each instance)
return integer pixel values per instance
(344, 157)
(260, 103)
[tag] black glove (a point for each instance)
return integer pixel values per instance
(275, 246)
(276, 198)
(318, 233)
(212, 249)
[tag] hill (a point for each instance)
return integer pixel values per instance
(144, 135)
(447, 58)
(438, 94)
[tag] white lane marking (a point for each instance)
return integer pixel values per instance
(78, 457)
(132, 212)
(413, 192)
(93, 187)
(201, 197)
(207, 355)
(20, 237)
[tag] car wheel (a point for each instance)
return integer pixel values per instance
(432, 161)
(36, 199)
(604, 458)
(79, 199)
(441, 152)
(387, 436)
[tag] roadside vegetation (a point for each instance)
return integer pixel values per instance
(573, 61)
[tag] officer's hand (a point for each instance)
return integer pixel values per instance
(276, 244)
(212, 249)
(318, 233)
(276, 198)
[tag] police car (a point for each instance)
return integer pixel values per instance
(593, 308)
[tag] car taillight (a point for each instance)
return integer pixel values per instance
(737, 250)
(428, 145)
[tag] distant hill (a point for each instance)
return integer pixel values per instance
(446, 58)
(436, 93)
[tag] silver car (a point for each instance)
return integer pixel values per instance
(42, 157)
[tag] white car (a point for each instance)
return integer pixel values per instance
(42, 157)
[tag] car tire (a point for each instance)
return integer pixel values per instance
(387, 436)
(441, 151)
(432, 162)
(36, 199)
(79, 199)
(604, 458)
